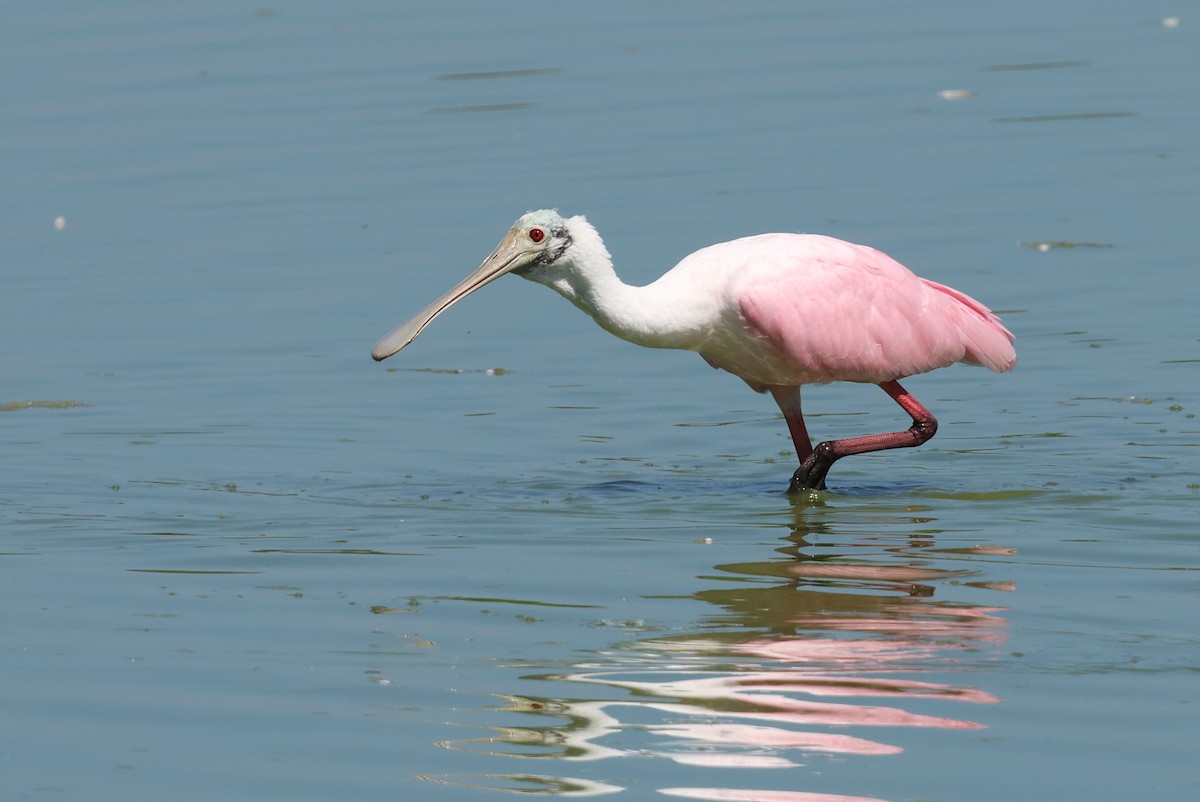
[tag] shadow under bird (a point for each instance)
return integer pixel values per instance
(777, 310)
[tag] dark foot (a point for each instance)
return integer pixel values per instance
(811, 473)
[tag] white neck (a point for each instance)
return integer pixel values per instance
(651, 316)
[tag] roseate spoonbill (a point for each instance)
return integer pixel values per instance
(776, 310)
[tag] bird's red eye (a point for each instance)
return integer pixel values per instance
(536, 234)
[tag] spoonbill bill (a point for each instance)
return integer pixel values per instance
(776, 310)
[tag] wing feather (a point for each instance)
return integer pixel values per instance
(835, 311)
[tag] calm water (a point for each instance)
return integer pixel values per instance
(241, 560)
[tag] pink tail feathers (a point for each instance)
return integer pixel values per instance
(988, 343)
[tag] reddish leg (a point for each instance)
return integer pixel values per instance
(788, 399)
(811, 473)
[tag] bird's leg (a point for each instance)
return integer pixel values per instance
(811, 474)
(788, 399)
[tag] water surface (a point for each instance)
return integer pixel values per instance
(242, 559)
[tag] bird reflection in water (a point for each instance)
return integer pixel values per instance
(807, 657)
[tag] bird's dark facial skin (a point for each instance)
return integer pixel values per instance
(560, 240)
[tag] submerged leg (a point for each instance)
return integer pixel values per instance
(811, 473)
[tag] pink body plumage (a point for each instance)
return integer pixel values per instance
(815, 309)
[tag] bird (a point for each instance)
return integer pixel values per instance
(779, 311)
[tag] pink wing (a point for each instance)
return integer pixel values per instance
(843, 312)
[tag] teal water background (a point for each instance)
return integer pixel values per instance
(240, 559)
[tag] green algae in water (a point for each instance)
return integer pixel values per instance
(17, 406)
